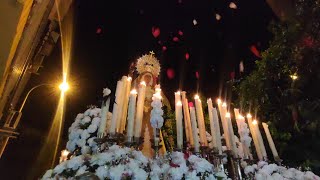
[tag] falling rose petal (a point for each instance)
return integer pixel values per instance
(232, 5)
(194, 22)
(187, 56)
(190, 104)
(98, 31)
(241, 67)
(197, 74)
(180, 33)
(164, 48)
(255, 51)
(155, 31)
(175, 39)
(232, 75)
(170, 73)
(218, 17)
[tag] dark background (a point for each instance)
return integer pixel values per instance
(99, 59)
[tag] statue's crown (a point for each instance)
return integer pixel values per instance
(148, 63)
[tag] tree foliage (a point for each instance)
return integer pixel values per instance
(284, 87)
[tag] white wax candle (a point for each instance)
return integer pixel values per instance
(270, 141)
(125, 104)
(103, 122)
(120, 102)
(212, 128)
(139, 113)
(114, 118)
(194, 129)
(217, 130)
(254, 137)
(200, 119)
(240, 121)
(259, 136)
(179, 125)
(231, 134)
(131, 113)
(223, 110)
(186, 118)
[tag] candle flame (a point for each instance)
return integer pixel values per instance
(129, 78)
(219, 101)
(209, 99)
(158, 89)
(196, 96)
(228, 115)
(179, 103)
(249, 115)
(178, 93)
(254, 122)
(143, 83)
(133, 91)
(65, 153)
(240, 117)
(224, 105)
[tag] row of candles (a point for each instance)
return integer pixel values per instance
(128, 114)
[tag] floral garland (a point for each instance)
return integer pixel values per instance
(124, 163)
(83, 131)
(265, 171)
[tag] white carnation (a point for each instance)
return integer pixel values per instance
(75, 162)
(102, 172)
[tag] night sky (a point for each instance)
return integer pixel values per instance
(108, 37)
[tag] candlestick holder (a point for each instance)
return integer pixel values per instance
(237, 161)
(101, 139)
(138, 141)
(219, 162)
(278, 160)
(205, 150)
(231, 165)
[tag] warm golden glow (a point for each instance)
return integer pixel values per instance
(249, 115)
(254, 122)
(143, 83)
(196, 96)
(133, 91)
(224, 105)
(294, 77)
(179, 103)
(177, 93)
(64, 87)
(209, 99)
(129, 78)
(219, 101)
(228, 115)
(240, 117)
(65, 153)
(158, 89)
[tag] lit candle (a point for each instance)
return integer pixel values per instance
(231, 135)
(259, 137)
(200, 118)
(104, 111)
(212, 128)
(223, 110)
(194, 129)
(139, 113)
(270, 141)
(114, 118)
(217, 130)
(125, 104)
(242, 126)
(254, 137)
(187, 121)
(179, 125)
(131, 113)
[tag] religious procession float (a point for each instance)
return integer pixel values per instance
(132, 142)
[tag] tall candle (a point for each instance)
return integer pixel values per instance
(258, 133)
(103, 122)
(222, 110)
(270, 141)
(139, 113)
(131, 113)
(254, 137)
(194, 129)
(179, 125)
(217, 130)
(212, 128)
(200, 119)
(125, 104)
(242, 126)
(114, 118)
(187, 121)
(120, 102)
(231, 135)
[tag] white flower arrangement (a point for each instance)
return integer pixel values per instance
(265, 171)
